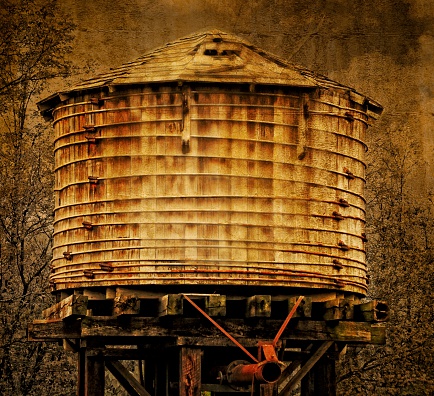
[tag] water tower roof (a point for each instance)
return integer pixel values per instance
(209, 56)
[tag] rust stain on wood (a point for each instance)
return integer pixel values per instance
(227, 166)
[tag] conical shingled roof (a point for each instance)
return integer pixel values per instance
(210, 56)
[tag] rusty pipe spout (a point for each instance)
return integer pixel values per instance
(242, 372)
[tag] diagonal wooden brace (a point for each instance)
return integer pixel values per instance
(293, 382)
(131, 385)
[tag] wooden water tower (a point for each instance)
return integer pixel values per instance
(209, 223)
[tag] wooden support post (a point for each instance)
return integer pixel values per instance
(162, 374)
(190, 372)
(91, 374)
(258, 306)
(321, 380)
(150, 375)
(95, 376)
(267, 390)
(81, 368)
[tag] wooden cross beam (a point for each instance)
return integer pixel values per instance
(105, 327)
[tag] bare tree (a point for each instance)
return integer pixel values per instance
(34, 42)
(400, 255)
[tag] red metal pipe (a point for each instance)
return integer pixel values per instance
(265, 372)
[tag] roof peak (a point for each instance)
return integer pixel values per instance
(210, 56)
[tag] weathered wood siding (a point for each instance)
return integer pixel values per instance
(210, 184)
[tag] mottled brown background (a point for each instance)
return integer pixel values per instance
(383, 48)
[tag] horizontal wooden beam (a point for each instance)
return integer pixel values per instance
(53, 330)
(74, 305)
(197, 328)
(374, 311)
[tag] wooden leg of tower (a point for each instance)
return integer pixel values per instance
(162, 375)
(190, 372)
(321, 379)
(95, 373)
(91, 375)
(267, 390)
(81, 378)
(156, 377)
(149, 376)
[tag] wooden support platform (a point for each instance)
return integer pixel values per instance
(129, 301)
(182, 352)
(198, 332)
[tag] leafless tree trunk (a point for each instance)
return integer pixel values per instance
(400, 223)
(34, 40)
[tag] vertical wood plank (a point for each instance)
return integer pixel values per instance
(150, 374)
(95, 377)
(81, 375)
(321, 379)
(190, 372)
(91, 375)
(267, 390)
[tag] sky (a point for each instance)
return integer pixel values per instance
(382, 48)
